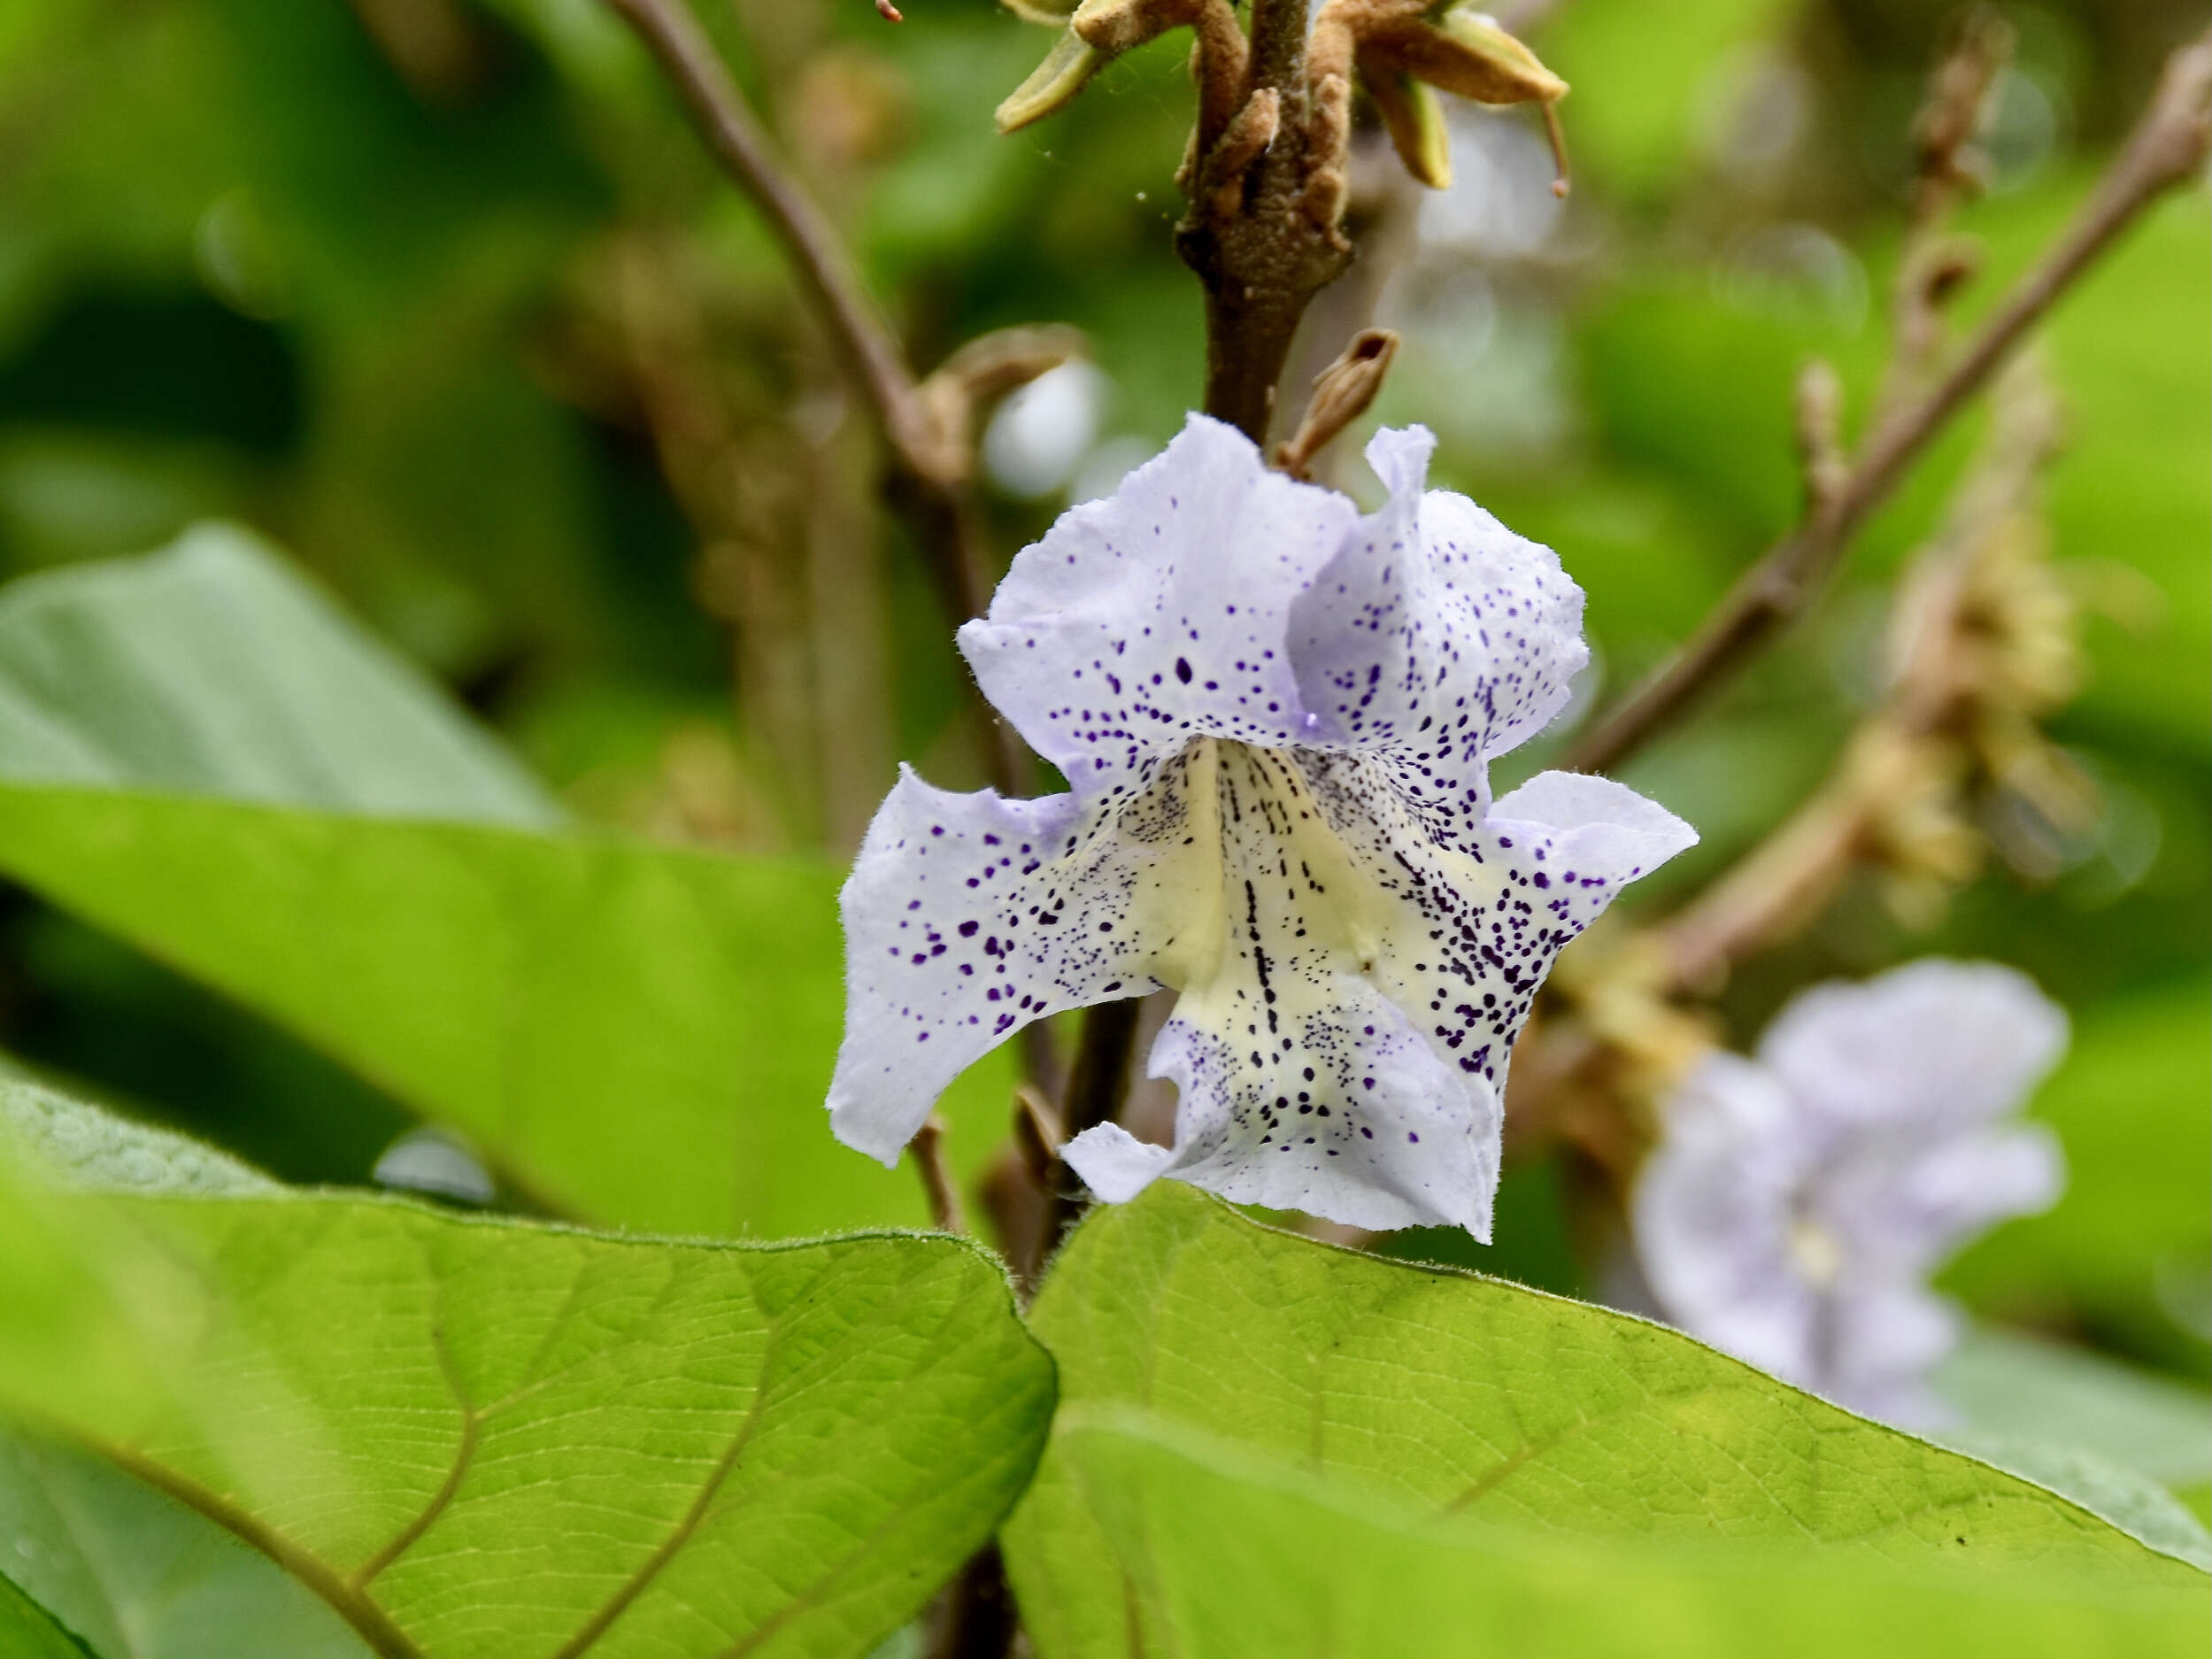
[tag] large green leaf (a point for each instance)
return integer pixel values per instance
(1224, 1556)
(87, 1147)
(210, 668)
(139, 1576)
(28, 1631)
(2026, 1388)
(474, 1437)
(639, 1036)
(1452, 1394)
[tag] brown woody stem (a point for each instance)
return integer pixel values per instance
(2166, 148)
(1098, 1082)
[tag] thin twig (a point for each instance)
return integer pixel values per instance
(1933, 267)
(1938, 626)
(976, 1619)
(1098, 1082)
(2168, 146)
(933, 460)
(937, 1184)
(674, 36)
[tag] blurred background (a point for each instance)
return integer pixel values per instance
(443, 297)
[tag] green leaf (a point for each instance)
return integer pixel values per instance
(2113, 1439)
(211, 668)
(2132, 1502)
(1227, 1555)
(88, 1148)
(636, 1036)
(474, 1437)
(142, 1576)
(1452, 1394)
(2026, 1388)
(27, 1632)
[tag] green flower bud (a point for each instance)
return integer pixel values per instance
(1414, 120)
(1065, 72)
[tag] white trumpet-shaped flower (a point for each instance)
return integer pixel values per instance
(1276, 717)
(1798, 1200)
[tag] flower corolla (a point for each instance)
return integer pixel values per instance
(1276, 717)
(1798, 1200)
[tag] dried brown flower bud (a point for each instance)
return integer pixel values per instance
(1464, 51)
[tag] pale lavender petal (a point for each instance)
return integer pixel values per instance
(1837, 1164)
(1883, 1343)
(1158, 613)
(1114, 1164)
(1345, 1050)
(1306, 1072)
(1587, 838)
(1714, 1212)
(1903, 1207)
(1438, 637)
(1932, 1043)
(966, 917)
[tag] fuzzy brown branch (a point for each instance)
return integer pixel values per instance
(1098, 1082)
(2167, 148)
(1898, 772)
(1250, 235)
(937, 1184)
(724, 119)
(933, 458)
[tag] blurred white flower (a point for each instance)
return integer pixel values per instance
(1039, 435)
(437, 1162)
(1799, 1199)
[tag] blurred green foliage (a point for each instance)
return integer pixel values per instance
(530, 636)
(445, 302)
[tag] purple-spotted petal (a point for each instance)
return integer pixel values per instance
(1713, 1213)
(1477, 922)
(1584, 839)
(966, 918)
(1354, 947)
(1436, 636)
(1342, 1048)
(1158, 613)
(1356, 1119)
